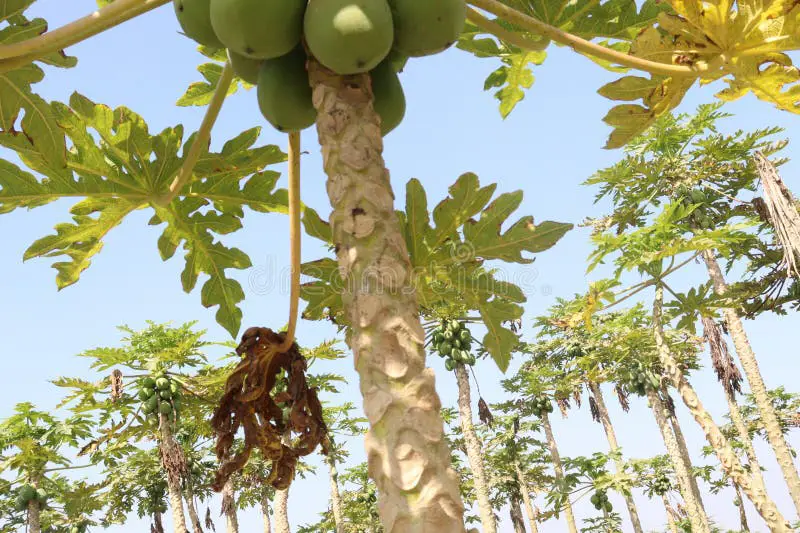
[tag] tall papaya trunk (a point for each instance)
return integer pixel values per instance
(758, 388)
(614, 445)
(281, 507)
(569, 515)
(197, 526)
(34, 511)
(683, 449)
(336, 498)
(744, 439)
(265, 514)
(727, 457)
(229, 508)
(407, 454)
(673, 527)
(515, 512)
(474, 451)
(683, 469)
(740, 504)
(526, 497)
(172, 463)
(158, 523)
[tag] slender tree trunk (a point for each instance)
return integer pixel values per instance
(193, 517)
(526, 498)
(265, 514)
(673, 527)
(740, 505)
(559, 471)
(158, 524)
(407, 454)
(229, 508)
(745, 440)
(747, 358)
(474, 451)
(34, 511)
(281, 507)
(516, 515)
(683, 449)
(614, 445)
(171, 457)
(727, 458)
(336, 498)
(683, 470)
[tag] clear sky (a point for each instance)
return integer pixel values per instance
(547, 147)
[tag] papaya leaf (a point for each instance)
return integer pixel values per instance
(448, 259)
(115, 166)
(199, 93)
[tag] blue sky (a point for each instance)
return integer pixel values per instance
(546, 148)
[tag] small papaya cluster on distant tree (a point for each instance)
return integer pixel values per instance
(702, 216)
(600, 501)
(160, 396)
(269, 43)
(638, 379)
(452, 340)
(541, 405)
(27, 494)
(661, 484)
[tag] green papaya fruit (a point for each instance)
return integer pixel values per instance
(159, 374)
(607, 506)
(454, 325)
(162, 383)
(390, 100)
(423, 27)
(164, 408)
(448, 335)
(464, 335)
(194, 17)
(449, 364)
(145, 394)
(259, 29)
(148, 383)
(27, 493)
(165, 394)
(284, 94)
(20, 503)
(41, 495)
(244, 67)
(456, 343)
(349, 36)
(438, 338)
(152, 403)
(698, 196)
(397, 60)
(445, 348)
(471, 360)
(174, 387)
(595, 499)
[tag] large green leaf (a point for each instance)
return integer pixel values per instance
(115, 166)
(448, 258)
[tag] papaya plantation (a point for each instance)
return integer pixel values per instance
(544, 319)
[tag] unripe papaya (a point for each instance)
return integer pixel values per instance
(162, 383)
(284, 93)
(194, 17)
(27, 493)
(349, 36)
(259, 29)
(245, 67)
(424, 27)
(164, 408)
(390, 100)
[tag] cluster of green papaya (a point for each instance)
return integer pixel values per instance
(79, 528)
(692, 197)
(160, 396)
(639, 379)
(27, 494)
(541, 405)
(269, 42)
(661, 485)
(600, 501)
(452, 340)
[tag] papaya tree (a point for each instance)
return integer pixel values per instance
(35, 449)
(333, 64)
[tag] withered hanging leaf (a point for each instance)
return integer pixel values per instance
(116, 385)
(563, 406)
(622, 396)
(670, 404)
(576, 396)
(484, 413)
(209, 522)
(594, 410)
(727, 372)
(247, 403)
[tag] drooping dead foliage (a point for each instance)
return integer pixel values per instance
(594, 409)
(116, 385)
(727, 372)
(781, 213)
(484, 413)
(622, 396)
(249, 403)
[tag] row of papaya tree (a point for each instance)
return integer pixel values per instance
(137, 440)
